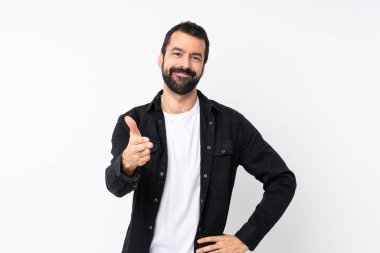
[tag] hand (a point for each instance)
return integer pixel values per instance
(223, 244)
(137, 153)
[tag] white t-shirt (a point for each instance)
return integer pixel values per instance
(178, 214)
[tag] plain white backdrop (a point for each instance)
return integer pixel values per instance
(305, 73)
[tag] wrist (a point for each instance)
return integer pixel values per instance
(244, 248)
(127, 169)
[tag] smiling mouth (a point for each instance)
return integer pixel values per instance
(181, 74)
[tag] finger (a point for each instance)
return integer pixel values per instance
(208, 248)
(136, 140)
(210, 239)
(141, 154)
(143, 146)
(133, 129)
(143, 160)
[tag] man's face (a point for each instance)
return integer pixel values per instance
(182, 64)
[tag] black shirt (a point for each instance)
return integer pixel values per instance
(228, 140)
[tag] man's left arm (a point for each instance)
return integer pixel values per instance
(260, 160)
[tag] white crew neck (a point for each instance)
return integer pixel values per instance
(188, 113)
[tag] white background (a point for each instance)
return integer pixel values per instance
(305, 73)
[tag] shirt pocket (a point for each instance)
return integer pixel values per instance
(222, 160)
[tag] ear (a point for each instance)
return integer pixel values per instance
(160, 60)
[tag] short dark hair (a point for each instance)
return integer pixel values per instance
(189, 28)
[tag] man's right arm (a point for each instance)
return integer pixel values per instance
(130, 151)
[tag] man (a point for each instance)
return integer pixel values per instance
(179, 155)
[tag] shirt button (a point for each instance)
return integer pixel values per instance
(150, 227)
(156, 200)
(205, 175)
(223, 151)
(210, 123)
(201, 200)
(162, 173)
(199, 229)
(160, 121)
(208, 147)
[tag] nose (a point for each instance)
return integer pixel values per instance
(185, 62)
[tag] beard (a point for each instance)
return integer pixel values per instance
(182, 85)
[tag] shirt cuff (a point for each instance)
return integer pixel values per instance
(122, 176)
(249, 235)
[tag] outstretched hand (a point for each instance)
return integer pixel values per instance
(137, 153)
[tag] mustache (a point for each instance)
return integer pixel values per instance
(181, 70)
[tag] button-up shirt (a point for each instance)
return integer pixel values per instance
(228, 140)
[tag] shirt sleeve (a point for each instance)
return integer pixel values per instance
(279, 183)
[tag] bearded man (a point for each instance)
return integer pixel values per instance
(179, 154)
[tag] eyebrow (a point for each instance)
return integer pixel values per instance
(181, 50)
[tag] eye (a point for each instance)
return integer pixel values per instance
(176, 53)
(197, 58)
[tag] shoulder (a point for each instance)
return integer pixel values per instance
(226, 112)
(226, 115)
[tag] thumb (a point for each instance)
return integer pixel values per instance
(133, 129)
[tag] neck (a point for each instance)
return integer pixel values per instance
(175, 103)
